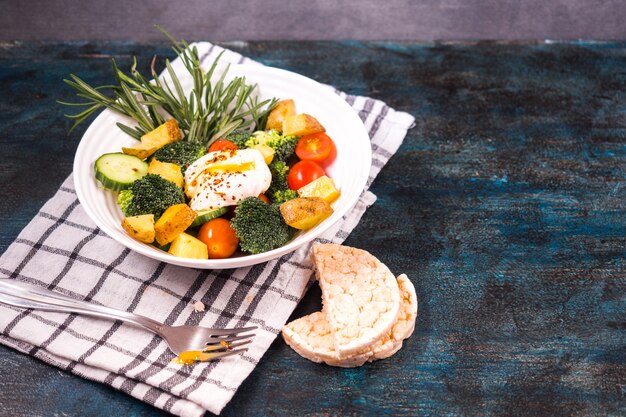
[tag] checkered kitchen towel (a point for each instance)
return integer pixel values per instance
(63, 250)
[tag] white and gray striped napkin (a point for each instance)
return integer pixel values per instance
(63, 250)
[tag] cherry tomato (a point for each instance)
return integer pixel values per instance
(219, 237)
(331, 157)
(302, 173)
(264, 198)
(222, 145)
(315, 147)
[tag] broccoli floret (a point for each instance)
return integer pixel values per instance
(124, 200)
(284, 146)
(279, 190)
(280, 196)
(181, 153)
(259, 226)
(239, 138)
(279, 170)
(150, 194)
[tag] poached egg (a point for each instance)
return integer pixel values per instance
(222, 178)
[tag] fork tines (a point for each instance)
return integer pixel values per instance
(224, 346)
(221, 354)
(212, 340)
(219, 344)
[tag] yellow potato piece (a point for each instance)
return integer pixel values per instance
(175, 220)
(304, 213)
(169, 171)
(152, 141)
(283, 109)
(166, 133)
(187, 246)
(323, 187)
(266, 151)
(139, 151)
(301, 125)
(140, 227)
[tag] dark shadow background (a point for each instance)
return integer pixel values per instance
(216, 20)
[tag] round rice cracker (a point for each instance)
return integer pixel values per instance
(310, 336)
(403, 327)
(360, 295)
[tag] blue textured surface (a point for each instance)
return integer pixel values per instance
(505, 206)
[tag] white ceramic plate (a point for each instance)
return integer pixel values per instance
(350, 169)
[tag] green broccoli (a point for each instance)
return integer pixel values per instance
(181, 153)
(280, 196)
(239, 138)
(284, 146)
(279, 170)
(150, 194)
(279, 190)
(259, 226)
(124, 200)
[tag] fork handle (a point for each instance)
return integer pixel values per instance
(20, 294)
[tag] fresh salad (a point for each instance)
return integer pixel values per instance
(215, 171)
(248, 192)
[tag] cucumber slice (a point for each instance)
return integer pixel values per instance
(206, 215)
(117, 171)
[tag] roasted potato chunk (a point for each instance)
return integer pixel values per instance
(169, 171)
(139, 152)
(266, 151)
(282, 110)
(323, 187)
(175, 220)
(187, 246)
(301, 124)
(168, 132)
(152, 141)
(140, 227)
(304, 213)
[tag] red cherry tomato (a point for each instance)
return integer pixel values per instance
(315, 147)
(219, 237)
(222, 145)
(331, 157)
(303, 173)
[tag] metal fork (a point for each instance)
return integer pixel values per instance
(215, 343)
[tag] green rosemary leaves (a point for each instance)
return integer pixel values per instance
(211, 109)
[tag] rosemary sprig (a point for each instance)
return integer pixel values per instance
(212, 109)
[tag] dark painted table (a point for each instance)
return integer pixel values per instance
(506, 205)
